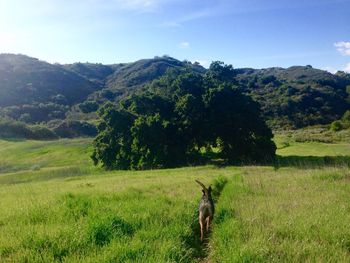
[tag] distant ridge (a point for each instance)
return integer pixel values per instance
(35, 91)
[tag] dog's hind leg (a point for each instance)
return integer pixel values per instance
(201, 223)
(208, 222)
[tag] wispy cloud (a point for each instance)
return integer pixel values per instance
(343, 47)
(209, 9)
(184, 45)
(141, 6)
(195, 15)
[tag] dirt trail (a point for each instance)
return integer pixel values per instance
(205, 247)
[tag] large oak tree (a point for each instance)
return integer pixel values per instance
(172, 120)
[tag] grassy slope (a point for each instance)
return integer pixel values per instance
(26, 155)
(313, 142)
(23, 161)
(315, 149)
(55, 206)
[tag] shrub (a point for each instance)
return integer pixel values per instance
(343, 123)
(336, 126)
(346, 119)
(42, 133)
(70, 129)
(9, 129)
(88, 106)
(16, 129)
(107, 94)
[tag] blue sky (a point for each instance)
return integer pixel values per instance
(250, 33)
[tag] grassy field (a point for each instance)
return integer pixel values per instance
(287, 215)
(55, 206)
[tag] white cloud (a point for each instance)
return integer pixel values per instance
(347, 68)
(203, 62)
(330, 70)
(184, 45)
(343, 47)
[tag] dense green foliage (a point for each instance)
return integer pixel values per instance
(169, 123)
(36, 112)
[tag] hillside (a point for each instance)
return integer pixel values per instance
(135, 75)
(297, 96)
(35, 91)
(26, 80)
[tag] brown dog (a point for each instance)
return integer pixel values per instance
(206, 209)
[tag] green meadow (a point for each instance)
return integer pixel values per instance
(55, 206)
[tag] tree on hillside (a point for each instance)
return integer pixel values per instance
(173, 119)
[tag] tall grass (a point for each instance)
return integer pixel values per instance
(286, 215)
(145, 216)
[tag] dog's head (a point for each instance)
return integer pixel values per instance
(206, 191)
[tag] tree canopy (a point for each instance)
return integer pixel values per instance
(173, 119)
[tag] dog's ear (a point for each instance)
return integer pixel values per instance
(209, 189)
(203, 192)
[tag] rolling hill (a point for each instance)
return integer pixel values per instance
(35, 91)
(26, 80)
